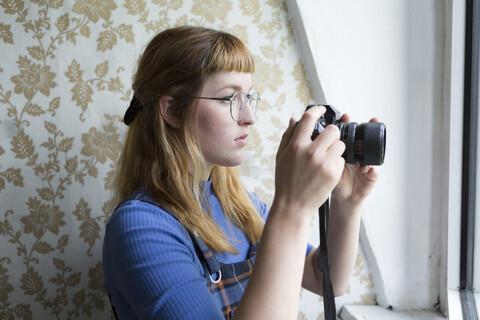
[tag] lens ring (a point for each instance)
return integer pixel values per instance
(234, 110)
(375, 143)
(239, 104)
(254, 101)
(350, 141)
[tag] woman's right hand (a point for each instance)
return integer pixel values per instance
(307, 171)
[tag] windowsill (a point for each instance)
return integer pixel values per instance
(362, 312)
(455, 305)
(477, 302)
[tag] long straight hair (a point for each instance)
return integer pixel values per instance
(167, 161)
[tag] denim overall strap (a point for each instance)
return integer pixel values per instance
(138, 196)
(227, 284)
(212, 264)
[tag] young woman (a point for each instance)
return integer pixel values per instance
(182, 243)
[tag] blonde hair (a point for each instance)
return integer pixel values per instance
(167, 160)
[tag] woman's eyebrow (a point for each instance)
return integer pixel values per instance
(233, 87)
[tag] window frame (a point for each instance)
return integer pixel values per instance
(463, 248)
(468, 280)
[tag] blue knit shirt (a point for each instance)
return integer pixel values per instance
(151, 270)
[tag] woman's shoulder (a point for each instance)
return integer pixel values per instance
(140, 212)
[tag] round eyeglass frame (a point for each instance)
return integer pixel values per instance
(247, 99)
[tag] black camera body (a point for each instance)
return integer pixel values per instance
(364, 143)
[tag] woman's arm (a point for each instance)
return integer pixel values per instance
(306, 173)
(345, 214)
(342, 251)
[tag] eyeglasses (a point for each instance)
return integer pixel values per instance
(238, 103)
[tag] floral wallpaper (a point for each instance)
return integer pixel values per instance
(65, 77)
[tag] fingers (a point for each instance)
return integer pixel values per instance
(364, 168)
(301, 130)
(329, 140)
(286, 137)
(344, 118)
(298, 135)
(337, 148)
(292, 122)
(372, 171)
(306, 124)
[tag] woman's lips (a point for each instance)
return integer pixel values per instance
(242, 140)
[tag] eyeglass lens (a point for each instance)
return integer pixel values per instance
(239, 104)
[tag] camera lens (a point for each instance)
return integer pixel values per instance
(364, 143)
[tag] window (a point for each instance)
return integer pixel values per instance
(385, 53)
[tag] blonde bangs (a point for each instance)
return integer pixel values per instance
(230, 54)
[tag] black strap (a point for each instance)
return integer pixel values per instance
(113, 308)
(328, 295)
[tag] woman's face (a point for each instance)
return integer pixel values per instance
(222, 140)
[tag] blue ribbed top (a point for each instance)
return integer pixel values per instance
(151, 270)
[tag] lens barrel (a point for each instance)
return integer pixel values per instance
(364, 143)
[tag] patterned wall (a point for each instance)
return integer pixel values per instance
(65, 72)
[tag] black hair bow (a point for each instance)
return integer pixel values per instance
(135, 106)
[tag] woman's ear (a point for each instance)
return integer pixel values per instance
(166, 105)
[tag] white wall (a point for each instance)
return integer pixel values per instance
(386, 59)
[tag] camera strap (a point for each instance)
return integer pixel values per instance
(329, 308)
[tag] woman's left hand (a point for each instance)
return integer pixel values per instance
(357, 180)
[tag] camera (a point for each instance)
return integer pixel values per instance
(364, 143)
